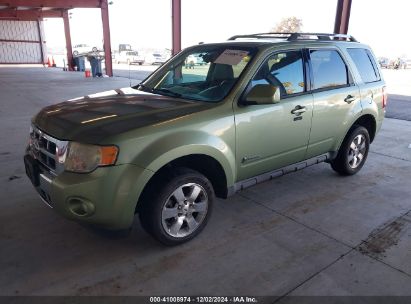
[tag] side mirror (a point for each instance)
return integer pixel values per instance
(263, 94)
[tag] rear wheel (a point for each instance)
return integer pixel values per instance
(177, 207)
(353, 152)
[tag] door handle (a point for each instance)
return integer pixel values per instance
(349, 99)
(298, 110)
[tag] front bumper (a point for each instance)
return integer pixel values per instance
(106, 197)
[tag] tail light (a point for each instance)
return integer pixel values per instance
(384, 97)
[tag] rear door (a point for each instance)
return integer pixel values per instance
(336, 98)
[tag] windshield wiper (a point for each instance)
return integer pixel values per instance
(154, 90)
(166, 91)
(145, 88)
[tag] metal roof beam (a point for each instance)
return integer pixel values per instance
(107, 39)
(12, 14)
(176, 26)
(342, 16)
(67, 34)
(66, 4)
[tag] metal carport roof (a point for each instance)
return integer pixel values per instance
(27, 10)
(38, 9)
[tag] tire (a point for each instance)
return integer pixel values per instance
(353, 152)
(94, 49)
(75, 53)
(171, 213)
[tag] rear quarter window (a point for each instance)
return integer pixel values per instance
(365, 64)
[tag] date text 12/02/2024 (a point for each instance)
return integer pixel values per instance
(200, 299)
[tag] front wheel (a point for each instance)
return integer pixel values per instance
(353, 152)
(178, 206)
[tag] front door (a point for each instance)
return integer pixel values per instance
(275, 135)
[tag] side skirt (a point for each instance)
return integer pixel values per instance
(249, 182)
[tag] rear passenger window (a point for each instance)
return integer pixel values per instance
(329, 69)
(365, 66)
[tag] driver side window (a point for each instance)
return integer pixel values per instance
(284, 70)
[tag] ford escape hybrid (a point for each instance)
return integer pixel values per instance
(259, 106)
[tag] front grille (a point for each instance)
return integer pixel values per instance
(49, 146)
(46, 149)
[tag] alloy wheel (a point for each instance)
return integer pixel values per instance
(357, 151)
(184, 210)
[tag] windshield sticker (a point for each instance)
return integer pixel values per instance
(231, 57)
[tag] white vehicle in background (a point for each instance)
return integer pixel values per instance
(193, 60)
(156, 58)
(129, 57)
(83, 49)
(406, 63)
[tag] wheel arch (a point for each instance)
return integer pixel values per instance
(202, 163)
(367, 121)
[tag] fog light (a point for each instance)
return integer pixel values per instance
(80, 207)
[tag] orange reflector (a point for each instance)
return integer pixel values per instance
(108, 155)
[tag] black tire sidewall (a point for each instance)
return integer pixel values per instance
(151, 215)
(341, 162)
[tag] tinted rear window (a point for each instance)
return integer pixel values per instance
(365, 66)
(329, 69)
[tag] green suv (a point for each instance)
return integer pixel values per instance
(259, 106)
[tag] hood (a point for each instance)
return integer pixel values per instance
(94, 117)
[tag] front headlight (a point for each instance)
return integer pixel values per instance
(83, 158)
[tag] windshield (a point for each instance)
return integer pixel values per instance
(205, 73)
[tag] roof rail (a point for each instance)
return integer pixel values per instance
(297, 36)
(262, 35)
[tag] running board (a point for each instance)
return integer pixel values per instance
(249, 182)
